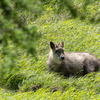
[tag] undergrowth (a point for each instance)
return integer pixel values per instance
(29, 79)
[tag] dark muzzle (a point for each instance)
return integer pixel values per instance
(62, 58)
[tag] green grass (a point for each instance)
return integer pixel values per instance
(38, 83)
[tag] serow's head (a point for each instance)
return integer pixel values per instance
(58, 51)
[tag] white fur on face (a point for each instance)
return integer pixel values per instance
(57, 57)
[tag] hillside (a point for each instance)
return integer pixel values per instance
(29, 78)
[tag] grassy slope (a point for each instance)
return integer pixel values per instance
(78, 36)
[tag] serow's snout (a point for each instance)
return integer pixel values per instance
(62, 57)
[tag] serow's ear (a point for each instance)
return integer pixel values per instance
(62, 44)
(52, 45)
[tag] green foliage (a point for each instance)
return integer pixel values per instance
(29, 75)
(14, 81)
(12, 28)
(83, 9)
(16, 30)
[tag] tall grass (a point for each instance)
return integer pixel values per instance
(36, 83)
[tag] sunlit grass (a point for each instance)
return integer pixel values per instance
(38, 83)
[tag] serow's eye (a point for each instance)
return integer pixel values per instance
(57, 52)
